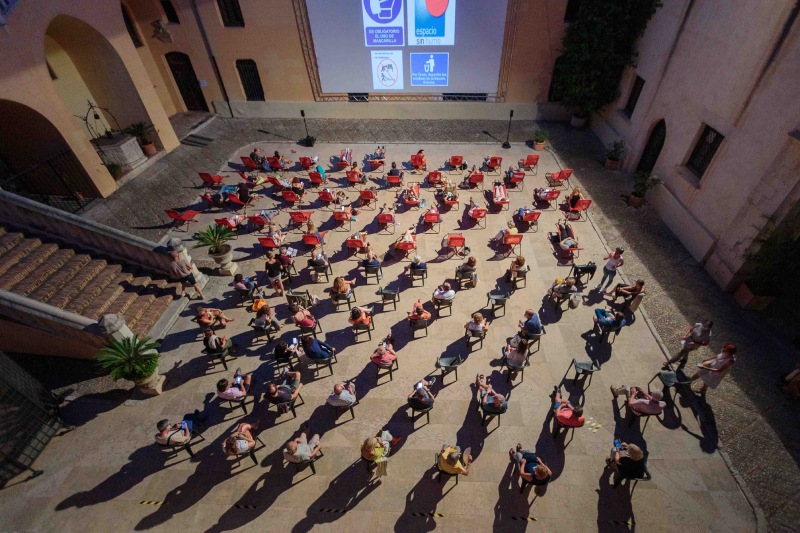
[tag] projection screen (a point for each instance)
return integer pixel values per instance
(408, 46)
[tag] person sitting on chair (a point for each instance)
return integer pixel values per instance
(516, 353)
(236, 390)
(342, 286)
(640, 401)
(565, 287)
(516, 266)
(421, 398)
(472, 172)
(530, 466)
(417, 264)
(265, 317)
(566, 414)
(472, 206)
(510, 229)
(384, 354)
(303, 448)
(627, 461)
(478, 323)
(530, 325)
(209, 317)
(344, 395)
(241, 441)
(540, 192)
(316, 349)
(214, 342)
(287, 391)
(285, 163)
(371, 261)
(311, 229)
(444, 292)
(284, 352)
(407, 237)
(248, 285)
(360, 315)
(493, 402)
(424, 159)
(627, 292)
(304, 318)
(380, 152)
(244, 194)
(298, 187)
(257, 158)
(470, 268)
(275, 232)
(379, 446)
(452, 461)
(606, 319)
(360, 173)
(394, 171)
(575, 197)
(176, 434)
(418, 313)
(500, 193)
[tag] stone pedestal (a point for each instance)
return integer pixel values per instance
(116, 328)
(122, 149)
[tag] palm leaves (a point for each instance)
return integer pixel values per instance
(132, 358)
(214, 237)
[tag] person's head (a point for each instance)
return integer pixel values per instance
(618, 317)
(238, 278)
(540, 471)
(417, 260)
(708, 324)
(307, 341)
(529, 313)
(283, 250)
(635, 453)
(338, 389)
(421, 152)
(510, 224)
(355, 313)
(271, 389)
(523, 345)
(577, 411)
(291, 447)
(282, 346)
(380, 350)
(277, 154)
(477, 318)
(222, 385)
(311, 227)
(729, 349)
(174, 255)
(619, 251)
(270, 255)
(498, 399)
(640, 283)
(207, 333)
(657, 395)
(520, 260)
(418, 309)
(355, 165)
(230, 446)
(472, 261)
(446, 286)
(453, 457)
(256, 150)
(570, 282)
(296, 179)
(576, 191)
(263, 310)
(162, 425)
(369, 444)
(338, 283)
(394, 165)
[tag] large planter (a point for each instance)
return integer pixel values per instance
(538, 146)
(635, 201)
(151, 385)
(578, 122)
(225, 260)
(747, 299)
(612, 164)
(149, 149)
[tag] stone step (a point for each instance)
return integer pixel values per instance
(44, 272)
(9, 239)
(69, 281)
(152, 314)
(131, 293)
(97, 307)
(92, 289)
(14, 255)
(137, 310)
(26, 265)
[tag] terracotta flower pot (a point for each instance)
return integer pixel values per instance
(747, 299)
(538, 146)
(612, 164)
(149, 149)
(635, 201)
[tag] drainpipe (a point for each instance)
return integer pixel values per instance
(211, 57)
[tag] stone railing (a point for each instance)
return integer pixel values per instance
(88, 234)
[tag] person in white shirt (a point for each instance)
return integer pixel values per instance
(444, 292)
(478, 323)
(614, 261)
(344, 395)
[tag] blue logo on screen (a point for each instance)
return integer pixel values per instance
(430, 69)
(383, 11)
(426, 23)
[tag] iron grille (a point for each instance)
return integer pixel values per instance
(231, 13)
(251, 81)
(464, 97)
(358, 97)
(169, 11)
(633, 98)
(704, 151)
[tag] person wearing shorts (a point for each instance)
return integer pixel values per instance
(181, 270)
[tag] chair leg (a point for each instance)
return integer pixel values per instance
(188, 449)
(253, 457)
(313, 468)
(428, 417)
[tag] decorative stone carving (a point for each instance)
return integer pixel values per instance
(122, 149)
(161, 32)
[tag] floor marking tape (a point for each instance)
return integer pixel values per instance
(434, 515)
(241, 506)
(148, 502)
(525, 518)
(338, 511)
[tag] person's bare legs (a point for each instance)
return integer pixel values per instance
(199, 291)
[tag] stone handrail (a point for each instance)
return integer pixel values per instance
(72, 229)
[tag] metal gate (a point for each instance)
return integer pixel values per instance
(30, 419)
(60, 182)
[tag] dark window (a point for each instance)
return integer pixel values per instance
(464, 97)
(704, 151)
(358, 97)
(554, 95)
(251, 81)
(571, 14)
(169, 11)
(137, 41)
(51, 71)
(231, 13)
(636, 90)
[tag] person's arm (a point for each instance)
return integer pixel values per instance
(725, 365)
(297, 391)
(316, 450)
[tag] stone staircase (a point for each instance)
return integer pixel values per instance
(84, 283)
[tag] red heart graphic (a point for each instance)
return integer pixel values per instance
(437, 7)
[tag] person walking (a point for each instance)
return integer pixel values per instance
(697, 336)
(712, 370)
(613, 262)
(181, 270)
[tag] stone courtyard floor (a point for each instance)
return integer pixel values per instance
(107, 475)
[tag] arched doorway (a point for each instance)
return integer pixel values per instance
(36, 161)
(182, 71)
(653, 147)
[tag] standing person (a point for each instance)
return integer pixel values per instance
(712, 370)
(614, 261)
(697, 336)
(274, 272)
(181, 270)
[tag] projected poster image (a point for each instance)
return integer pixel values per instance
(430, 70)
(383, 22)
(431, 22)
(387, 70)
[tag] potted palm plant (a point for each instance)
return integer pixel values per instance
(134, 359)
(142, 132)
(614, 154)
(540, 136)
(216, 238)
(642, 182)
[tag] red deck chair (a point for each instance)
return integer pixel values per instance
(344, 161)
(549, 198)
(259, 221)
(211, 181)
(406, 247)
(341, 217)
(387, 220)
(557, 179)
(412, 204)
(225, 223)
(494, 164)
(315, 178)
(455, 163)
(274, 163)
(568, 255)
(353, 178)
(250, 164)
(211, 203)
(234, 200)
(532, 219)
(476, 179)
(306, 162)
(298, 218)
(355, 244)
(376, 164)
(531, 163)
(368, 196)
(456, 242)
(268, 243)
(276, 184)
(451, 203)
(290, 197)
(517, 180)
(394, 180)
(502, 203)
(433, 218)
(416, 162)
(478, 214)
(182, 219)
(434, 178)
(581, 208)
(312, 240)
(513, 242)
(326, 197)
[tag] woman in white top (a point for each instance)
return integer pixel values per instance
(516, 353)
(614, 261)
(478, 323)
(712, 370)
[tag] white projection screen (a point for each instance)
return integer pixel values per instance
(408, 46)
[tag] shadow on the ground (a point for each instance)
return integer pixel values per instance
(422, 500)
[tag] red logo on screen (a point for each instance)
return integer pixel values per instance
(436, 7)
